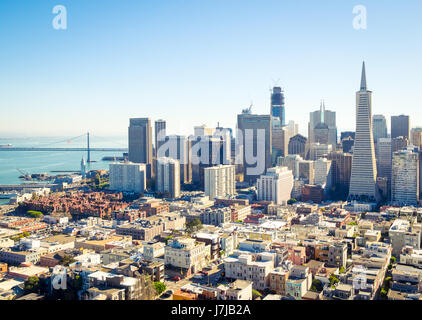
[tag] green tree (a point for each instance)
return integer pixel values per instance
(256, 294)
(291, 201)
(97, 179)
(166, 239)
(384, 292)
(316, 285)
(159, 287)
(193, 225)
(342, 270)
(77, 282)
(32, 285)
(393, 260)
(67, 260)
(333, 279)
(35, 214)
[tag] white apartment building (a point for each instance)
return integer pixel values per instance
(276, 185)
(411, 257)
(187, 253)
(6, 243)
(128, 177)
(402, 234)
(167, 177)
(220, 181)
(243, 268)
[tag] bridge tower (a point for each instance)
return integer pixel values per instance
(88, 160)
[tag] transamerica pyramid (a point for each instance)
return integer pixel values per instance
(364, 170)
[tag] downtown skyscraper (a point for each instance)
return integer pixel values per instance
(140, 143)
(322, 126)
(400, 126)
(277, 105)
(379, 127)
(254, 144)
(364, 170)
(160, 135)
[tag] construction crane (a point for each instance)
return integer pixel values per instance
(25, 175)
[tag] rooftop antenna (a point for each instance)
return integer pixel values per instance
(275, 82)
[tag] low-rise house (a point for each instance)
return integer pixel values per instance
(337, 255)
(26, 271)
(315, 266)
(411, 257)
(340, 292)
(297, 255)
(18, 257)
(299, 282)
(96, 293)
(409, 281)
(238, 290)
(278, 279)
(153, 250)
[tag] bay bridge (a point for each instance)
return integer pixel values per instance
(49, 147)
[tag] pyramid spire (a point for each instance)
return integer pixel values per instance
(363, 79)
(322, 110)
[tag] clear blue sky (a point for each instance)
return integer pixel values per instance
(197, 62)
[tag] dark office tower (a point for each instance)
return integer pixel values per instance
(347, 139)
(341, 169)
(346, 134)
(206, 151)
(297, 145)
(379, 127)
(279, 142)
(384, 163)
(399, 143)
(140, 143)
(400, 126)
(364, 169)
(160, 135)
(347, 144)
(254, 140)
(277, 104)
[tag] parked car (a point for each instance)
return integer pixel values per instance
(204, 272)
(176, 278)
(167, 294)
